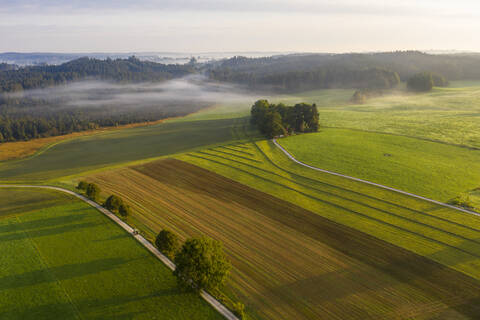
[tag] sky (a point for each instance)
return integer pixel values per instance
(238, 26)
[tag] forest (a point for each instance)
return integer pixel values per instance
(118, 70)
(287, 73)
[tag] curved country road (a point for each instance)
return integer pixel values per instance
(206, 296)
(372, 183)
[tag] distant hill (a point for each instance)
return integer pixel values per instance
(119, 70)
(355, 70)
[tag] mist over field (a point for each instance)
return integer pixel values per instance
(192, 90)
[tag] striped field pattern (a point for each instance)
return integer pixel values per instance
(305, 244)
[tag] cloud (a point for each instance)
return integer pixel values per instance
(290, 6)
(233, 25)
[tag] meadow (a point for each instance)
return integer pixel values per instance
(62, 259)
(448, 115)
(434, 170)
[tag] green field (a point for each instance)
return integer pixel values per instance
(449, 115)
(118, 147)
(434, 170)
(62, 259)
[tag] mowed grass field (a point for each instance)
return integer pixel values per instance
(119, 147)
(450, 115)
(62, 259)
(327, 263)
(435, 170)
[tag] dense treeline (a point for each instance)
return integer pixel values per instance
(321, 78)
(360, 71)
(17, 124)
(119, 70)
(278, 119)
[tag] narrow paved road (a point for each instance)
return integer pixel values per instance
(373, 183)
(205, 295)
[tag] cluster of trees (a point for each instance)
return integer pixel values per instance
(360, 71)
(201, 264)
(116, 205)
(278, 119)
(119, 70)
(425, 81)
(92, 191)
(113, 203)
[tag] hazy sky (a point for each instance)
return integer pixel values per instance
(238, 25)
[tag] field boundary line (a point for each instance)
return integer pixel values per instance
(217, 305)
(291, 157)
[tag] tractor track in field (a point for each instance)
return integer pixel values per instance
(291, 157)
(224, 311)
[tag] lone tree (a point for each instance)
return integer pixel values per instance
(93, 191)
(167, 242)
(201, 264)
(124, 210)
(82, 185)
(113, 203)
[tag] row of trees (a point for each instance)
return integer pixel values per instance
(92, 191)
(200, 263)
(279, 119)
(116, 205)
(113, 203)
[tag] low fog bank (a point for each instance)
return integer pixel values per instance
(96, 94)
(88, 105)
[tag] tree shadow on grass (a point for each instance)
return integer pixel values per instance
(123, 235)
(46, 232)
(92, 309)
(60, 273)
(41, 223)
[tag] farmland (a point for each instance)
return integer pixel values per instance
(61, 259)
(118, 147)
(434, 170)
(290, 262)
(305, 244)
